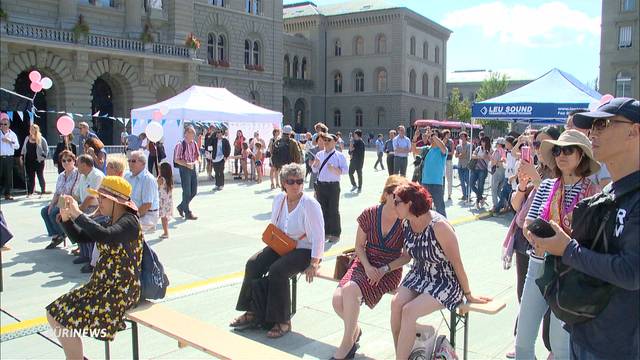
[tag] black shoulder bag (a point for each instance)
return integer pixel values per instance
(315, 185)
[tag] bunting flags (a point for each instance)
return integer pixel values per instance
(31, 114)
(21, 114)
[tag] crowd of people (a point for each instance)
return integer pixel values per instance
(549, 177)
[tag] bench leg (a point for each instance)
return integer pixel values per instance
(294, 294)
(107, 351)
(453, 326)
(134, 340)
(466, 336)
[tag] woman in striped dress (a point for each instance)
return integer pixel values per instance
(437, 278)
(379, 243)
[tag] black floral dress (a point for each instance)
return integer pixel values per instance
(114, 287)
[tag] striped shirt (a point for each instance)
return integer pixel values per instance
(543, 193)
(191, 153)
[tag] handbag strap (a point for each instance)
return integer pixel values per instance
(280, 212)
(325, 162)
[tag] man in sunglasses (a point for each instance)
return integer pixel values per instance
(615, 137)
(8, 145)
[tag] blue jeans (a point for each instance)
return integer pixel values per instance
(53, 228)
(463, 174)
(437, 193)
(189, 182)
(476, 183)
(532, 310)
(504, 196)
(580, 353)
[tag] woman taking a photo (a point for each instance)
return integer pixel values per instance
(437, 278)
(300, 217)
(554, 200)
(478, 175)
(97, 308)
(379, 243)
(65, 143)
(95, 148)
(34, 153)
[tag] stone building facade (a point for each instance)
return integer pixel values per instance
(620, 48)
(362, 64)
(111, 70)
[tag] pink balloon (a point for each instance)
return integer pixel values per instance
(36, 87)
(606, 98)
(35, 76)
(157, 115)
(65, 125)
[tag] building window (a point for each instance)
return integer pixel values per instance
(412, 82)
(255, 98)
(337, 48)
(256, 53)
(381, 44)
(382, 81)
(359, 117)
(628, 5)
(211, 47)
(337, 118)
(337, 83)
(248, 5)
(381, 115)
(436, 87)
(425, 50)
(359, 83)
(436, 116)
(287, 68)
(295, 67)
(412, 116)
(247, 52)
(102, 3)
(425, 115)
(153, 4)
(257, 7)
(304, 69)
(623, 84)
(437, 55)
(625, 37)
(221, 45)
(358, 46)
(213, 2)
(412, 46)
(425, 84)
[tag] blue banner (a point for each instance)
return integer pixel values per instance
(524, 111)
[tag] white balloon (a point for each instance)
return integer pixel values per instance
(164, 109)
(46, 83)
(154, 131)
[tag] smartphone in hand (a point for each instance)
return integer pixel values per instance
(541, 228)
(525, 153)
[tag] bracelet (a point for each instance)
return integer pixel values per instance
(466, 293)
(522, 191)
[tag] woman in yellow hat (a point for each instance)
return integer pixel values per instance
(97, 309)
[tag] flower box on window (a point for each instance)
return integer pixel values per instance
(249, 67)
(223, 63)
(259, 67)
(213, 62)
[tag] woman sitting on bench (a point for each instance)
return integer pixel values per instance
(299, 215)
(379, 242)
(437, 278)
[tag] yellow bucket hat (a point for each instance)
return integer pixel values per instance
(117, 189)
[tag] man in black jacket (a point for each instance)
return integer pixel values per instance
(356, 150)
(221, 149)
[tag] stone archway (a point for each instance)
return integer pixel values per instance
(300, 115)
(286, 111)
(164, 93)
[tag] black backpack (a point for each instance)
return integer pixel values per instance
(153, 280)
(281, 153)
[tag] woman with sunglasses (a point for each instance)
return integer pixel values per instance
(437, 278)
(572, 162)
(67, 180)
(298, 215)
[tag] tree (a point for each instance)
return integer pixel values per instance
(458, 109)
(495, 85)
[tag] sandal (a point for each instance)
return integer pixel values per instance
(243, 320)
(277, 330)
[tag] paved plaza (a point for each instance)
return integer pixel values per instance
(205, 259)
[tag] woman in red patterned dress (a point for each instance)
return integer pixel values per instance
(377, 268)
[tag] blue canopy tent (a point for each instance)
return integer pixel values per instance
(546, 100)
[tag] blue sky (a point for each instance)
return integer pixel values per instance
(524, 37)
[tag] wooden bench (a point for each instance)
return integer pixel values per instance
(222, 344)
(458, 318)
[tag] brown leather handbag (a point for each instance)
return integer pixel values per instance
(343, 263)
(277, 239)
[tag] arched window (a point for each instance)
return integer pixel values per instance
(381, 44)
(380, 117)
(337, 48)
(221, 45)
(359, 117)
(303, 69)
(256, 53)
(255, 98)
(247, 52)
(248, 5)
(358, 46)
(337, 83)
(623, 84)
(425, 50)
(437, 55)
(436, 87)
(381, 83)
(436, 116)
(412, 116)
(211, 47)
(412, 82)
(295, 67)
(412, 46)
(287, 66)
(425, 115)
(337, 118)
(257, 7)
(359, 81)
(425, 84)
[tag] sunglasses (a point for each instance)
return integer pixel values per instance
(294, 181)
(601, 124)
(397, 200)
(4, 124)
(132, 160)
(67, 160)
(566, 150)
(536, 144)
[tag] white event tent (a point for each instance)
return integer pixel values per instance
(201, 104)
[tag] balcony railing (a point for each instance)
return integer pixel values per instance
(93, 40)
(297, 83)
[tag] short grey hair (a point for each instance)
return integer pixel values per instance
(139, 154)
(291, 170)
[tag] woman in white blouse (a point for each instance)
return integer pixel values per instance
(64, 186)
(300, 217)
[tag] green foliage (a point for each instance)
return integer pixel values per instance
(147, 34)
(495, 85)
(81, 27)
(458, 109)
(3, 14)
